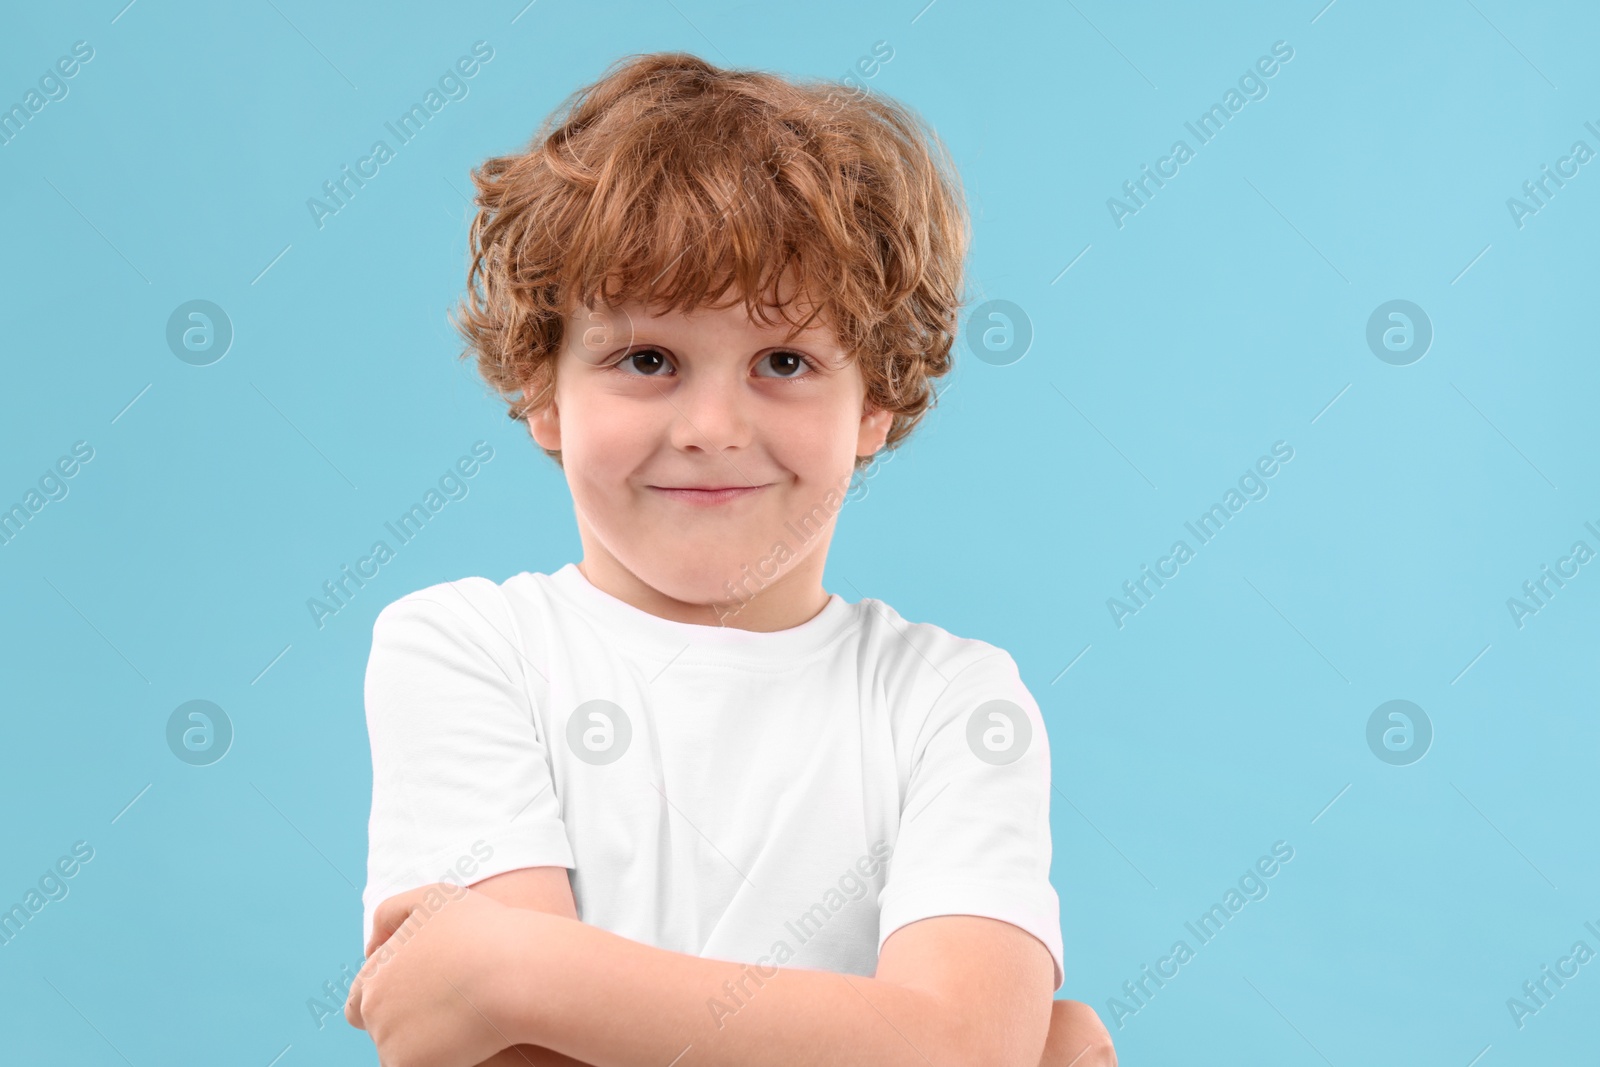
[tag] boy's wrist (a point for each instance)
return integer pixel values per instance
(521, 971)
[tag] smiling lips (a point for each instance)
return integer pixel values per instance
(710, 496)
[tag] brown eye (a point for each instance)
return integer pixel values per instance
(645, 363)
(785, 364)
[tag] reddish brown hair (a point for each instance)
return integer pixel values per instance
(721, 178)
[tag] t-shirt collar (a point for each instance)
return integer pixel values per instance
(719, 643)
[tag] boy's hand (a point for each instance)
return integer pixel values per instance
(1077, 1038)
(436, 975)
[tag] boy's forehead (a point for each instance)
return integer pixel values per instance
(631, 316)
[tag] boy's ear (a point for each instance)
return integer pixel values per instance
(875, 424)
(545, 426)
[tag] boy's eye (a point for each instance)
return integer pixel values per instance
(645, 363)
(652, 363)
(786, 364)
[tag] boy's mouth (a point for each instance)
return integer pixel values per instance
(707, 496)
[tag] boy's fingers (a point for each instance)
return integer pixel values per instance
(352, 1003)
(352, 1000)
(391, 915)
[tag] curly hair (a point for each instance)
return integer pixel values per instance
(713, 177)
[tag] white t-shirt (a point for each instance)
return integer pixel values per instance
(785, 799)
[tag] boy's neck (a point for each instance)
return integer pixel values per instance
(793, 598)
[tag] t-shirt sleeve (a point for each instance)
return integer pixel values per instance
(974, 834)
(461, 781)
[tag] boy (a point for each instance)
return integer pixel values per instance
(798, 829)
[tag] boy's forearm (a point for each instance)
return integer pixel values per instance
(615, 1002)
(1076, 1038)
(537, 889)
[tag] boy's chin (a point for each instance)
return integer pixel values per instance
(719, 587)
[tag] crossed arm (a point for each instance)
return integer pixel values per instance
(508, 967)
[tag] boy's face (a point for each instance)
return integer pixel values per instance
(707, 455)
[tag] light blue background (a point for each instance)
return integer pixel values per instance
(1226, 315)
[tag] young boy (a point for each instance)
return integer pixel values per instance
(709, 812)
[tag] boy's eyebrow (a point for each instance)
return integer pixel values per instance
(650, 332)
(645, 335)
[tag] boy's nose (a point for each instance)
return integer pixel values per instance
(712, 414)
